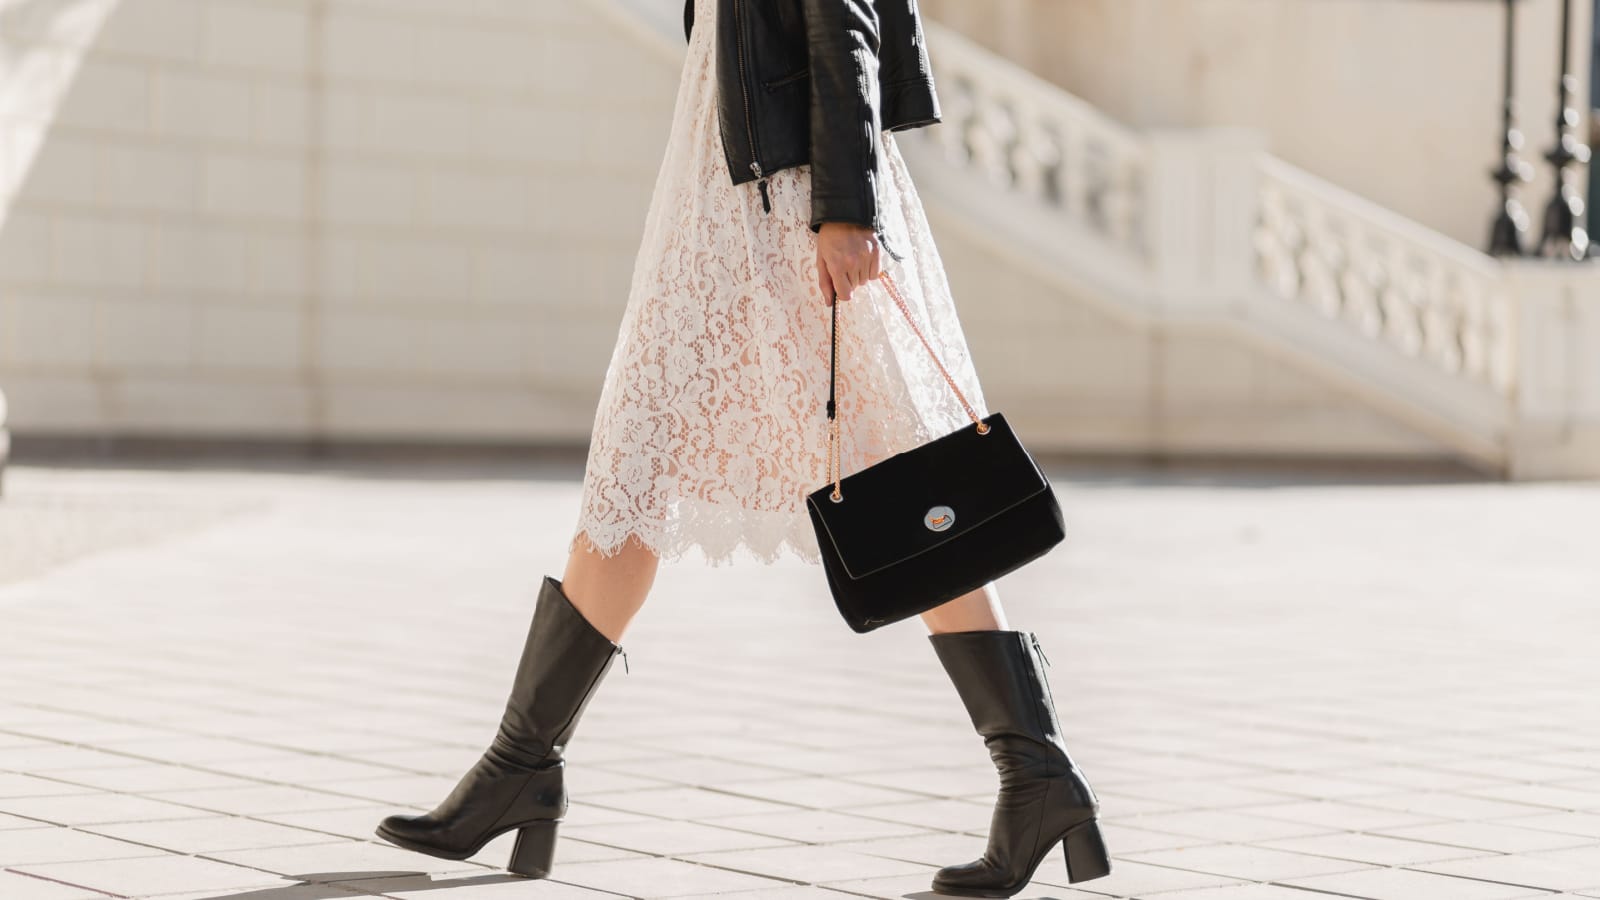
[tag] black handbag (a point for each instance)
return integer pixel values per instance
(931, 523)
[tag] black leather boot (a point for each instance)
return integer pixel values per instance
(517, 782)
(1044, 798)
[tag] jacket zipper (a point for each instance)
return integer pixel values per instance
(744, 92)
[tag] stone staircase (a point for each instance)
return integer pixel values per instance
(1497, 364)
(1205, 225)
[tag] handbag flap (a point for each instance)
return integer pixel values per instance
(925, 497)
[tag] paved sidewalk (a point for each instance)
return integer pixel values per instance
(214, 683)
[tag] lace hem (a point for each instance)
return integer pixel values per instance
(720, 532)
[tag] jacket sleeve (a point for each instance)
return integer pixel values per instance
(842, 42)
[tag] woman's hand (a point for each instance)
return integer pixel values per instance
(847, 258)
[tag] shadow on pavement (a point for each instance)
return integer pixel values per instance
(319, 885)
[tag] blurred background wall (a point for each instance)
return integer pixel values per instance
(415, 220)
(401, 218)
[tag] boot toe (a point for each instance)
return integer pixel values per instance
(973, 879)
(421, 833)
(401, 825)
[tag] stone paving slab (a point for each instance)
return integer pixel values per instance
(214, 681)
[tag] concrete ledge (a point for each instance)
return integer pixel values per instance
(556, 459)
(1555, 453)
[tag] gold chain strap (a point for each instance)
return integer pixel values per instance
(833, 437)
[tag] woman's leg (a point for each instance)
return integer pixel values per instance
(518, 782)
(1044, 798)
(977, 610)
(609, 590)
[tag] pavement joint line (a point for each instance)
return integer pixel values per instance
(59, 881)
(176, 733)
(206, 814)
(1313, 890)
(111, 749)
(365, 801)
(1517, 884)
(1394, 729)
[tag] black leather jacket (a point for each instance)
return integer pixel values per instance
(813, 82)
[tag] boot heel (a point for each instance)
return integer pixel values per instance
(1086, 853)
(535, 849)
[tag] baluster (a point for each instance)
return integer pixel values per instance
(1503, 356)
(1275, 267)
(1333, 235)
(1126, 198)
(1475, 336)
(1367, 315)
(1096, 185)
(1440, 319)
(1070, 174)
(1358, 288)
(992, 142)
(1038, 161)
(1402, 306)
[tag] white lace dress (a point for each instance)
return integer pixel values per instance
(712, 425)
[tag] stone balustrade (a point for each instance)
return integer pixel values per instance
(1031, 140)
(1205, 225)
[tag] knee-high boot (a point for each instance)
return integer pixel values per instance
(517, 782)
(1043, 798)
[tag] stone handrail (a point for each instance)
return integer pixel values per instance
(1029, 138)
(1382, 275)
(1313, 244)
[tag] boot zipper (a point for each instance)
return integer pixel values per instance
(1040, 650)
(1049, 704)
(744, 92)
